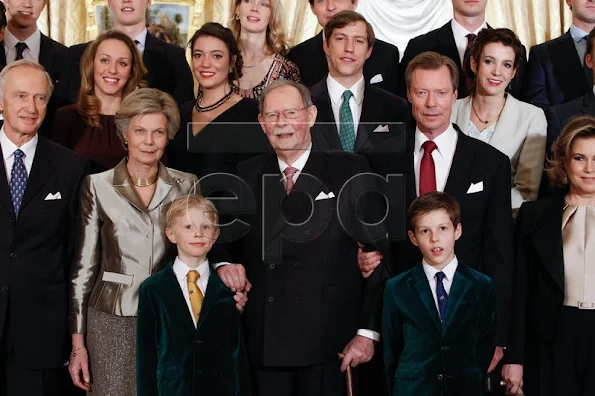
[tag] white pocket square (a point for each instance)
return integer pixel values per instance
(53, 197)
(381, 128)
(475, 187)
(376, 79)
(321, 195)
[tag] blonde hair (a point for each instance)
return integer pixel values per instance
(580, 127)
(180, 206)
(147, 101)
(276, 42)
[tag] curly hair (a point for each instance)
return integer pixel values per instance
(276, 41)
(214, 29)
(89, 105)
(580, 127)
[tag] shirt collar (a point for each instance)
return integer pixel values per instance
(299, 163)
(577, 34)
(459, 31)
(8, 147)
(335, 90)
(449, 270)
(444, 141)
(142, 38)
(181, 269)
(33, 42)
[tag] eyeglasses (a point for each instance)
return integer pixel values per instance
(290, 114)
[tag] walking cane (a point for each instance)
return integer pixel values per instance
(348, 379)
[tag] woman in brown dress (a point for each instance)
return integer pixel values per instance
(111, 68)
(257, 27)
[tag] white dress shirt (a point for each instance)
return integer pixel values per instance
(8, 149)
(181, 270)
(580, 44)
(142, 40)
(446, 144)
(297, 164)
(335, 92)
(460, 36)
(449, 273)
(31, 52)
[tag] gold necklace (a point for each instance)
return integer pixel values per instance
(255, 64)
(486, 122)
(143, 181)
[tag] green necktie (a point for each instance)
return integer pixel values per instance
(346, 131)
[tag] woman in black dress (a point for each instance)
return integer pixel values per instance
(220, 129)
(111, 68)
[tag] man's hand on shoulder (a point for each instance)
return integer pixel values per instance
(234, 277)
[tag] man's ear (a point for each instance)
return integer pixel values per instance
(412, 237)
(458, 231)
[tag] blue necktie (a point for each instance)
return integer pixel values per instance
(441, 294)
(346, 131)
(18, 180)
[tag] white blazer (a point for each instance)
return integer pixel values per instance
(521, 134)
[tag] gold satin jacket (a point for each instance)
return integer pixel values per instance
(119, 241)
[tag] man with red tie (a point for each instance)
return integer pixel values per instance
(440, 157)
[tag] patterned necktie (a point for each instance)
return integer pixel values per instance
(20, 47)
(588, 71)
(194, 293)
(289, 172)
(441, 294)
(466, 65)
(427, 169)
(346, 131)
(18, 180)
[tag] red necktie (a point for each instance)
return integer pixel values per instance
(427, 170)
(467, 61)
(289, 172)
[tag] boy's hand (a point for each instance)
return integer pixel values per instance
(367, 261)
(233, 276)
(241, 297)
(359, 350)
(498, 354)
(513, 376)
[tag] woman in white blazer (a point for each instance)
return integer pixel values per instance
(494, 116)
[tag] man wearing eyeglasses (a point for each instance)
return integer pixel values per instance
(307, 302)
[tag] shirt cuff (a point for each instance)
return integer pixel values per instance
(369, 334)
(221, 264)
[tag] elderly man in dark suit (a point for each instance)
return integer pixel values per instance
(381, 69)
(557, 72)
(308, 301)
(38, 205)
(440, 157)
(353, 115)
(23, 40)
(453, 40)
(166, 63)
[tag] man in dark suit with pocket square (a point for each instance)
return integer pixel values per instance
(382, 66)
(39, 191)
(353, 115)
(440, 157)
(166, 63)
(308, 301)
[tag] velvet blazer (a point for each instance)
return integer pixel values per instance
(175, 358)
(424, 356)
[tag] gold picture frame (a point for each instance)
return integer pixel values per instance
(190, 9)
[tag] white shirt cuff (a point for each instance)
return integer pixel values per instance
(369, 334)
(221, 264)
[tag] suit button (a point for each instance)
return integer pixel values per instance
(296, 265)
(297, 300)
(272, 266)
(271, 299)
(4, 288)
(198, 342)
(12, 222)
(444, 348)
(14, 256)
(439, 377)
(307, 232)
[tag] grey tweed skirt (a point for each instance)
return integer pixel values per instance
(111, 342)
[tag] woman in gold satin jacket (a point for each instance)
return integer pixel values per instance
(121, 242)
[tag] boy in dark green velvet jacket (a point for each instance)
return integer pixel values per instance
(439, 318)
(189, 334)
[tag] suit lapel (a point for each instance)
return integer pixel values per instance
(152, 57)
(41, 171)
(371, 109)
(505, 124)
(422, 287)
(2, 56)
(121, 183)
(214, 288)
(325, 115)
(461, 284)
(163, 187)
(567, 66)
(447, 46)
(459, 176)
(547, 240)
(588, 103)
(172, 293)
(5, 196)
(46, 58)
